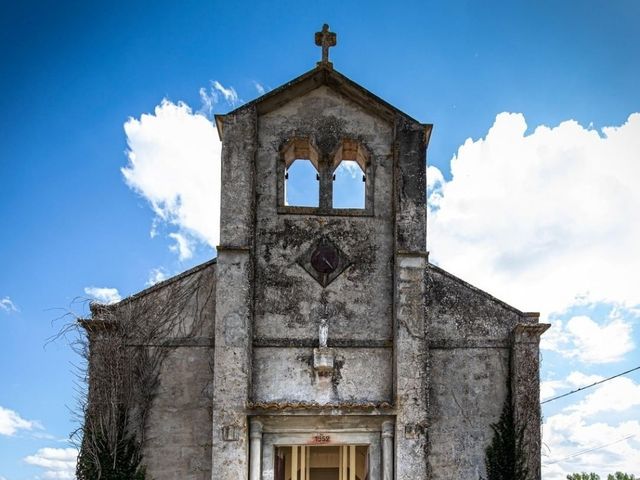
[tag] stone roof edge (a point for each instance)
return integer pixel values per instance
(96, 307)
(487, 295)
(325, 73)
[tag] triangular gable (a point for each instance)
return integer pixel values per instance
(322, 75)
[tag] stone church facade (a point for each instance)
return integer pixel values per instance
(322, 344)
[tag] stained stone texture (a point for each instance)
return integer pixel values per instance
(287, 374)
(525, 388)
(467, 392)
(422, 361)
(470, 346)
(178, 438)
(178, 429)
(361, 297)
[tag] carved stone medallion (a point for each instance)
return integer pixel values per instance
(324, 261)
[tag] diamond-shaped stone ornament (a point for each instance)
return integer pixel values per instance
(324, 261)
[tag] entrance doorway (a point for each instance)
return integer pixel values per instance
(321, 462)
(306, 447)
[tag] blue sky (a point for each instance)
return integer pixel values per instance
(550, 214)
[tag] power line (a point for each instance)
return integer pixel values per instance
(589, 386)
(577, 454)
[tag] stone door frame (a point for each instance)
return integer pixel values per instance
(267, 433)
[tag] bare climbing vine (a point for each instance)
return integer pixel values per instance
(123, 347)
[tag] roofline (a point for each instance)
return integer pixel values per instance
(325, 73)
(487, 295)
(97, 307)
(92, 326)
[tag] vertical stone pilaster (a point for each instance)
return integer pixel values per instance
(387, 450)
(525, 391)
(410, 368)
(411, 185)
(234, 300)
(237, 197)
(232, 365)
(255, 434)
(326, 184)
(410, 347)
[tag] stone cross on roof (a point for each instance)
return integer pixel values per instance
(326, 40)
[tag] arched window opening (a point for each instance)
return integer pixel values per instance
(349, 183)
(349, 177)
(301, 180)
(301, 185)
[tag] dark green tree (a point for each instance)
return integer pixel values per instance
(583, 476)
(100, 460)
(621, 476)
(505, 458)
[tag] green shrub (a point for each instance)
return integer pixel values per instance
(505, 458)
(100, 459)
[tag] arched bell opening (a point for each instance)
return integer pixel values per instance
(351, 163)
(301, 183)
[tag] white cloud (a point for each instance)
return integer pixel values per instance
(542, 220)
(579, 379)
(103, 294)
(616, 395)
(156, 275)
(259, 88)
(435, 181)
(11, 422)
(611, 449)
(174, 163)
(555, 338)
(546, 221)
(208, 99)
(7, 306)
(351, 167)
(211, 96)
(548, 388)
(579, 427)
(59, 463)
(599, 344)
(229, 94)
(183, 246)
(589, 341)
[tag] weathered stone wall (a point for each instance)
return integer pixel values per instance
(234, 299)
(410, 331)
(470, 342)
(425, 358)
(287, 298)
(176, 433)
(468, 387)
(286, 374)
(178, 428)
(525, 390)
